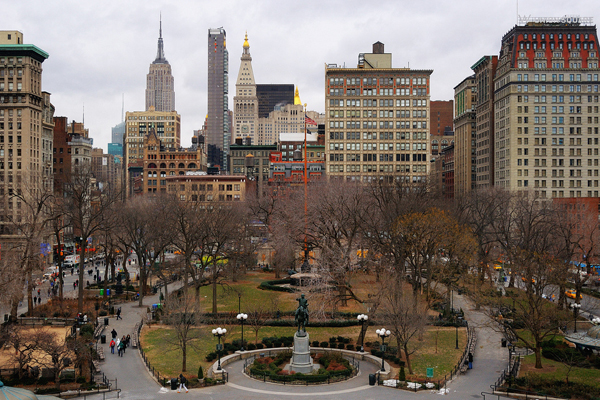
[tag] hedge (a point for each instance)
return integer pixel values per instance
(273, 285)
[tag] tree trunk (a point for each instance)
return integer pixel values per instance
(183, 357)
(407, 356)
(81, 277)
(214, 288)
(538, 357)
(30, 289)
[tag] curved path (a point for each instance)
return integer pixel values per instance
(136, 382)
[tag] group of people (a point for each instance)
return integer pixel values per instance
(120, 344)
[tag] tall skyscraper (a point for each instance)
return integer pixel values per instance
(26, 129)
(378, 119)
(160, 89)
(465, 97)
(218, 131)
(245, 100)
(546, 105)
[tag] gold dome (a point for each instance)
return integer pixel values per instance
(297, 98)
(246, 44)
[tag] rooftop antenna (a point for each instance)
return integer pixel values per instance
(83, 119)
(517, 12)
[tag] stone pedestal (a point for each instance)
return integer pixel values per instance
(301, 361)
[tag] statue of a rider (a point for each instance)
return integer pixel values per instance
(301, 316)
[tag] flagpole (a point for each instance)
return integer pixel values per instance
(305, 193)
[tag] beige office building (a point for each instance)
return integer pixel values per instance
(465, 98)
(546, 110)
(377, 120)
(26, 128)
(166, 125)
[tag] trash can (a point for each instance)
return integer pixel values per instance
(174, 384)
(103, 339)
(105, 321)
(503, 342)
(372, 379)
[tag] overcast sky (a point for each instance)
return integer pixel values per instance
(101, 50)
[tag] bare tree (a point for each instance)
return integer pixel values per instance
(85, 208)
(24, 343)
(406, 315)
(29, 227)
(183, 314)
(335, 227)
(525, 231)
(58, 353)
(258, 314)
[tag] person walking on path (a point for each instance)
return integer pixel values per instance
(112, 346)
(182, 382)
(119, 347)
(119, 314)
(124, 343)
(113, 333)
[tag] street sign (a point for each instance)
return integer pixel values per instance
(430, 372)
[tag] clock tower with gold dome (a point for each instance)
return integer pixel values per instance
(245, 111)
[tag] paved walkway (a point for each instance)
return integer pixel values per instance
(136, 382)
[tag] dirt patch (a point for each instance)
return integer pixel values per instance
(527, 368)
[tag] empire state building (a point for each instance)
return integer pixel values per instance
(160, 91)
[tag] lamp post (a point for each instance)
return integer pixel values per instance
(218, 333)
(362, 318)
(456, 321)
(242, 317)
(575, 307)
(382, 333)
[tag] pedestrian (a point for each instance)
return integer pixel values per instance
(113, 333)
(182, 382)
(112, 346)
(39, 292)
(124, 343)
(470, 360)
(34, 301)
(127, 340)
(121, 349)
(119, 314)
(49, 291)
(74, 285)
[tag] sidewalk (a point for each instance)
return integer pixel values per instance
(130, 371)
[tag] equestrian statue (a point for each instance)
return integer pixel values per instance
(301, 316)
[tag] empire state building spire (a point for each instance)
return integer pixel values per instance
(160, 53)
(160, 91)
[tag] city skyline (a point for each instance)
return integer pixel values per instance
(97, 54)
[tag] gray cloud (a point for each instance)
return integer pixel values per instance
(101, 50)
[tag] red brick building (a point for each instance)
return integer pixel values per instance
(441, 122)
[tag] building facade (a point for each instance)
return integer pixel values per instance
(218, 130)
(465, 98)
(207, 189)
(546, 110)
(166, 125)
(161, 162)
(441, 125)
(271, 95)
(26, 129)
(252, 161)
(107, 170)
(378, 119)
(160, 89)
(485, 70)
(245, 112)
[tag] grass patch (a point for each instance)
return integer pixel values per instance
(167, 359)
(554, 370)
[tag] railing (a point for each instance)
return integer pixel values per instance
(509, 373)
(459, 368)
(85, 393)
(522, 394)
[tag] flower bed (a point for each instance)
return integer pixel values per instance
(333, 367)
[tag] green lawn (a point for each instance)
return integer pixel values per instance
(167, 359)
(555, 370)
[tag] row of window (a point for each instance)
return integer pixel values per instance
(382, 124)
(382, 103)
(382, 114)
(208, 197)
(374, 81)
(375, 146)
(378, 92)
